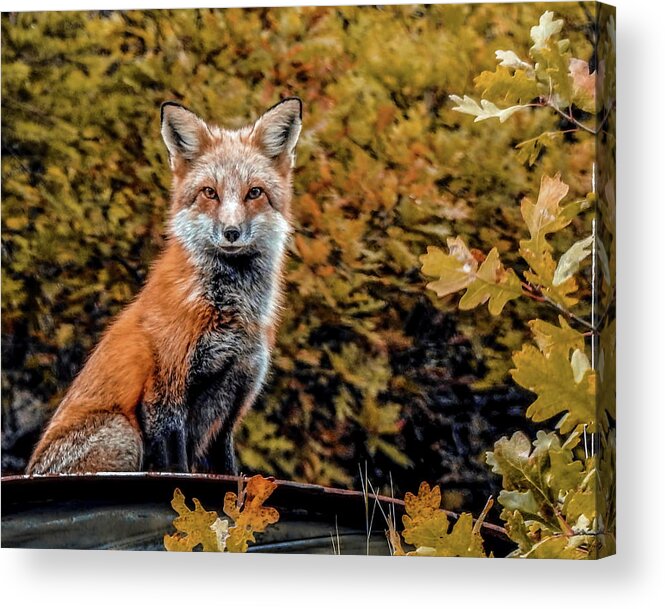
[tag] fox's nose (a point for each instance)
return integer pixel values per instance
(232, 233)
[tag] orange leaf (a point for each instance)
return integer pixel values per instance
(248, 512)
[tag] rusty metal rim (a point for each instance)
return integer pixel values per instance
(492, 529)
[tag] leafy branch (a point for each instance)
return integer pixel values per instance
(556, 505)
(552, 78)
(549, 498)
(487, 280)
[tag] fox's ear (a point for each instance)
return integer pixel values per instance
(184, 133)
(278, 129)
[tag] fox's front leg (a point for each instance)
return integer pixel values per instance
(221, 457)
(165, 439)
(167, 452)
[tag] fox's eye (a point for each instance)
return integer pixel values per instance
(254, 193)
(209, 193)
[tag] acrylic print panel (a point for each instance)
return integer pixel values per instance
(322, 279)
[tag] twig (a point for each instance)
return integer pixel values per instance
(479, 522)
(536, 294)
(571, 118)
(529, 292)
(570, 315)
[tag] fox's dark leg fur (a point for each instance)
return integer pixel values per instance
(178, 448)
(222, 455)
(105, 442)
(165, 439)
(217, 406)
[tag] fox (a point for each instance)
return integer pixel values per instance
(174, 373)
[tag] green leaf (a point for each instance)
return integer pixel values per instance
(510, 458)
(557, 546)
(517, 531)
(580, 503)
(529, 150)
(523, 501)
(547, 496)
(569, 263)
(552, 69)
(547, 470)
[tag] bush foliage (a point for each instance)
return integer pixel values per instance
(368, 365)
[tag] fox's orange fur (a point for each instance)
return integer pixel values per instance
(188, 355)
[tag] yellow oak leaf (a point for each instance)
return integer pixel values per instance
(194, 527)
(560, 388)
(426, 527)
(459, 269)
(548, 336)
(248, 512)
(455, 270)
(547, 215)
(493, 283)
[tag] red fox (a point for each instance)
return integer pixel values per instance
(181, 364)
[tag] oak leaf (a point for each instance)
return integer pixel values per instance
(548, 498)
(552, 378)
(248, 512)
(546, 28)
(583, 85)
(456, 270)
(493, 283)
(570, 261)
(426, 526)
(486, 109)
(548, 336)
(544, 217)
(513, 87)
(510, 59)
(459, 269)
(194, 527)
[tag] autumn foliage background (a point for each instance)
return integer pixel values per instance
(369, 366)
